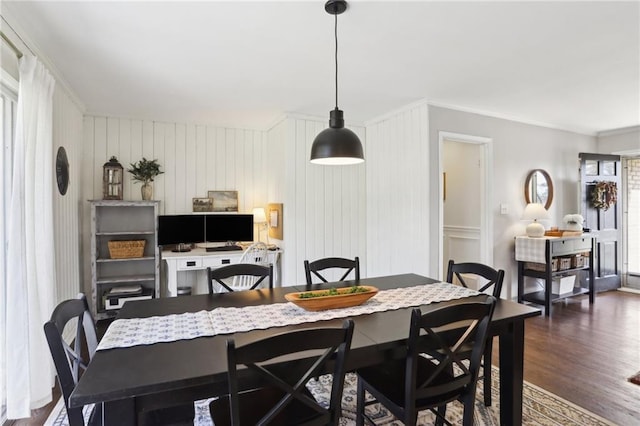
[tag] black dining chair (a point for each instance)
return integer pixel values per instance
(258, 272)
(331, 263)
(437, 369)
(283, 399)
(70, 362)
(493, 285)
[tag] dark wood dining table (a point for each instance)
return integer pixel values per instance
(128, 379)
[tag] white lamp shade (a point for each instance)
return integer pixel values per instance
(535, 212)
(259, 215)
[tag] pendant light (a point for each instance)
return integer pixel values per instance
(336, 145)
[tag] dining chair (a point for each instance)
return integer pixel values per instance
(284, 398)
(331, 263)
(257, 273)
(493, 285)
(256, 253)
(70, 362)
(437, 368)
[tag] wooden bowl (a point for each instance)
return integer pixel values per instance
(343, 300)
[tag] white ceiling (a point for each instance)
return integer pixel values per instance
(573, 65)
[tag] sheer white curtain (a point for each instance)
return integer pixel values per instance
(30, 257)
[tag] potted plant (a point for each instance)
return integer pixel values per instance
(145, 171)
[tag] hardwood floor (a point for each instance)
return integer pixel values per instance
(585, 354)
(582, 353)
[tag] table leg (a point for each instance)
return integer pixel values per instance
(511, 374)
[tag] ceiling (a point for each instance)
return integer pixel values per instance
(572, 65)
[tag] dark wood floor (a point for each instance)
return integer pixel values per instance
(582, 353)
(585, 354)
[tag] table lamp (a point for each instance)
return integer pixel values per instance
(535, 212)
(260, 219)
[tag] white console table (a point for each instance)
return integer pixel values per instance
(199, 259)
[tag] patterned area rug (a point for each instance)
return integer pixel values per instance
(540, 408)
(635, 379)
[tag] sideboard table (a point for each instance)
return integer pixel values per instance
(546, 258)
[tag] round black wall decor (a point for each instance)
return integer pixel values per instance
(62, 170)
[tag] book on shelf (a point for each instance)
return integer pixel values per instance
(126, 289)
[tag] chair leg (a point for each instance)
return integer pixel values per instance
(486, 371)
(442, 414)
(360, 404)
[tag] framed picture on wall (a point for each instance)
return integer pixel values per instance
(224, 201)
(201, 205)
(274, 219)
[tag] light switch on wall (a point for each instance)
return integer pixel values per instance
(504, 209)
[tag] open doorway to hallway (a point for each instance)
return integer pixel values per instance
(631, 179)
(465, 222)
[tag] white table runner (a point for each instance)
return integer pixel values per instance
(169, 328)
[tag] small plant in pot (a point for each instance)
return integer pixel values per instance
(145, 171)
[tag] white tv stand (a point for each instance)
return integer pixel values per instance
(199, 259)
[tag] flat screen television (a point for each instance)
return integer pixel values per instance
(229, 227)
(177, 229)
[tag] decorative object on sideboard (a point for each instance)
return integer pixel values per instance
(573, 222)
(112, 179)
(535, 212)
(336, 145)
(604, 195)
(202, 205)
(260, 220)
(274, 219)
(145, 171)
(224, 201)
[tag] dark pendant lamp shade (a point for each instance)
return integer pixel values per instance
(336, 145)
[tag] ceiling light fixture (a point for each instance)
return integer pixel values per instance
(336, 145)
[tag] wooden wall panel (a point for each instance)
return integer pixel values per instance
(324, 207)
(67, 132)
(397, 188)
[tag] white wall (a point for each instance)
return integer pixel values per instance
(67, 132)
(517, 149)
(398, 210)
(194, 158)
(623, 140)
(324, 207)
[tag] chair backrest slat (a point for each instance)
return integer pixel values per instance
(69, 361)
(320, 265)
(494, 277)
(333, 344)
(259, 272)
(445, 336)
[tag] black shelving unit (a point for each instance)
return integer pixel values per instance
(557, 248)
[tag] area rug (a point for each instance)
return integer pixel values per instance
(539, 408)
(635, 379)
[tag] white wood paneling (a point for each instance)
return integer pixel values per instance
(462, 244)
(324, 206)
(195, 159)
(397, 189)
(67, 132)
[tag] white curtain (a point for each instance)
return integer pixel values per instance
(30, 258)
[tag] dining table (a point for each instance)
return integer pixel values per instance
(126, 380)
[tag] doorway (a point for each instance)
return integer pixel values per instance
(631, 221)
(465, 223)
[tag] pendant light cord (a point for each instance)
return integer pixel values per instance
(336, 55)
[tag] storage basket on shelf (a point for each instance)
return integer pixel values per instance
(126, 249)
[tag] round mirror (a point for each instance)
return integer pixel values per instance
(538, 188)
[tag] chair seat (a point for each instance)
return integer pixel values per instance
(390, 376)
(261, 401)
